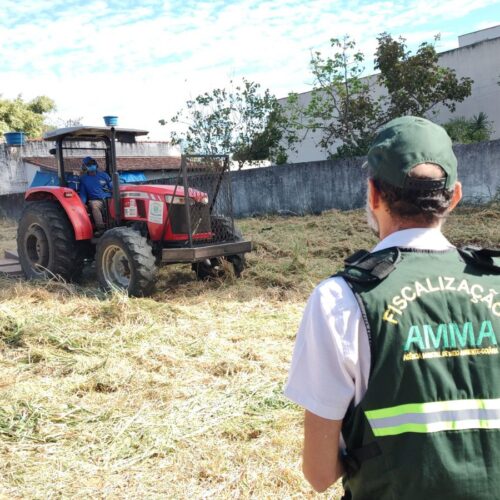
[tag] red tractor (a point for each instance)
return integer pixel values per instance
(187, 218)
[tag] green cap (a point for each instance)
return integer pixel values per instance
(406, 142)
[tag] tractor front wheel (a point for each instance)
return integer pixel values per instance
(125, 261)
(238, 262)
(209, 269)
(217, 267)
(46, 243)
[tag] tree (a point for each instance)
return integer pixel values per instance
(416, 84)
(465, 131)
(26, 116)
(242, 122)
(344, 106)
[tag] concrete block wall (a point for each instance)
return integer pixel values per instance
(12, 172)
(479, 170)
(312, 187)
(299, 188)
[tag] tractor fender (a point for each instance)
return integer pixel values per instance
(71, 204)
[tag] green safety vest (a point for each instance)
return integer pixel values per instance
(428, 426)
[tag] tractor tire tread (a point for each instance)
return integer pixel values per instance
(141, 253)
(67, 261)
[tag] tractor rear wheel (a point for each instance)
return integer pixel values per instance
(125, 261)
(46, 243)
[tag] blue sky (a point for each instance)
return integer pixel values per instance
(141, 60)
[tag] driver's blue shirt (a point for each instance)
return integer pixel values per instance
(95, 187)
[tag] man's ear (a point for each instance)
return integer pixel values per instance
(373, 195)
(457, 196)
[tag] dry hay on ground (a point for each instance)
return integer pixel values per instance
(180, 394)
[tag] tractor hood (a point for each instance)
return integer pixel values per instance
(159, 192)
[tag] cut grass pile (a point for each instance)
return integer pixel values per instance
(177, 395)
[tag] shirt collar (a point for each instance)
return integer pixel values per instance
(428, 238)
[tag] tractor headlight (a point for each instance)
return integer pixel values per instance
(181, 200)
(176, 200)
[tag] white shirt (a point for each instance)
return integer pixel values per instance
(331, 360)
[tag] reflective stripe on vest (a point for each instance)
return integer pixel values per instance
(435, 417)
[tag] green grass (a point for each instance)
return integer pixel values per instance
(180, 394)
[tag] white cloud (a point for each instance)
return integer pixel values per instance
(143, 60)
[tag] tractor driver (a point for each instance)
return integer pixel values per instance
(95, 188)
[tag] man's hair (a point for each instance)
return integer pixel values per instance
(427, 206)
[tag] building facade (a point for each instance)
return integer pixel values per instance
(477, 57)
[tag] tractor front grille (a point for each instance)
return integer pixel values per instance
(200, 219)
(212, 222)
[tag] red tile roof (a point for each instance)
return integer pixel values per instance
(123, 164)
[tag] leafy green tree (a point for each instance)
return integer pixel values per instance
(416, 84)
(346, 110)
(29, 117)
(242, 122)
(467, 130)
(342, 106)
(267, 144)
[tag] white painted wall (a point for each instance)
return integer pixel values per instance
(12, 172)
(479, 36)
(481, 62)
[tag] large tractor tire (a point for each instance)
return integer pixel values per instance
(216, 268)
(46, 243)
(125, 261)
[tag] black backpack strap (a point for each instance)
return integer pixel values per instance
(357, 256)
(363, 266)
(481, 257)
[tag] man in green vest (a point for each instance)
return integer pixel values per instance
(397, 360)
